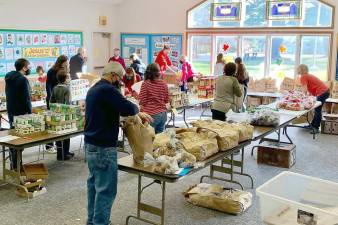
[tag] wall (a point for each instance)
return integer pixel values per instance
(76, 15)
(151, 16)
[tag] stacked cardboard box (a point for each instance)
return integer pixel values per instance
(206, 87)
(177, 97)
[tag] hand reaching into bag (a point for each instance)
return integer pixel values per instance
(145, 117)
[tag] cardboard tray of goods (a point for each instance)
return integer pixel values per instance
(35, 171)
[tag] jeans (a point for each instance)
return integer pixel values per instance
(101, 183)
(62, 146)
(318, 111)
(218, 115)
(159, 122)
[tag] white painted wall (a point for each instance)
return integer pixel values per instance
(68, 15)
(151, 16)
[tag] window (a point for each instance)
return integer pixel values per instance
(274, 56)
(253, 53)
(200, 53)
(315, 14)
(229, 40)
(283, 57)
(315, 54)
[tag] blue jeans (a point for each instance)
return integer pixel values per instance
(318, 111)
(101, 183)
(159, 122)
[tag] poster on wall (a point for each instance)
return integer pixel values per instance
(41, 48)
(230, 11)
(135, 43)
(284, 10)
(175, 43)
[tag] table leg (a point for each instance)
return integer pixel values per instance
(184, 117)
(149, 208)
(3, 163)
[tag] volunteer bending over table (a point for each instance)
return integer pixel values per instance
(164, 61)
(104, 106)
(227, 87)
(314, 86)
(18, 97)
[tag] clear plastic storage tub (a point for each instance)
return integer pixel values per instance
(293, 199)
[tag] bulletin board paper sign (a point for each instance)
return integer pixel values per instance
(38, 46)
(42, 52)
(135, 41)
(126, 52)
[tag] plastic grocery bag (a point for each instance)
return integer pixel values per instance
(140, 136)
(214, 196)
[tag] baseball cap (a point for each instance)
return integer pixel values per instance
(114, 67)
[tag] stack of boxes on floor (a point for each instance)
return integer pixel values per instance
(178, 98)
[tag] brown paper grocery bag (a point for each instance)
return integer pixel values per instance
(140, 137)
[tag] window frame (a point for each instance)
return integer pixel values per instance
(268, 34)
(265, 27)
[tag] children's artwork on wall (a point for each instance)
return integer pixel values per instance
(17, 53)
(44, 39)
(227, 11)
(28, 39)
(20, 38)
(10, 40)
(36, 39)
(39, 47)
(1, 39)
(70, 39)
(9, 53)
(284, 10)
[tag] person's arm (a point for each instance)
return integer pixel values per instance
(123, 63)
(143, 95)
(52, 97)
(27, 96)
(117, 101)
(67, 96)
(237, 89)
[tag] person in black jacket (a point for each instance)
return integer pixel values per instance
(52, 81)
(76, 63)
(137, 65)
(104, 106)
(18, 97)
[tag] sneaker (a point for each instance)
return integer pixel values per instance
(314, 131)
(51, 150)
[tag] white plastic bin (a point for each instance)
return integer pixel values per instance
(293, 199)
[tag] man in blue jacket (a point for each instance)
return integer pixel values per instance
(104, 106)
(18, 97)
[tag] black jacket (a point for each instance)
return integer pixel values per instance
(18, 95)
(104, 105)
(139, 67)
(75, 66)
(51, 82)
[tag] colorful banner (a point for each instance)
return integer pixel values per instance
(42, 52)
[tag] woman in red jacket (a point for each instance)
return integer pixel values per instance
(129, 79)
(163, 60)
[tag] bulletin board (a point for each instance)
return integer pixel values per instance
(40, 47)
(147, 46)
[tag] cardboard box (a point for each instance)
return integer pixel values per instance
(254, 101)
(170, 78)
(277, 154)
(35, 171)
(329, 125)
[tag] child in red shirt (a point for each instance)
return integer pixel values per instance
(41, 73)
(317, 88)
(129, 79)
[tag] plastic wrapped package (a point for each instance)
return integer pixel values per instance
(265, 117)
(214, 196)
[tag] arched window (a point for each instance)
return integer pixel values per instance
(271, 44)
